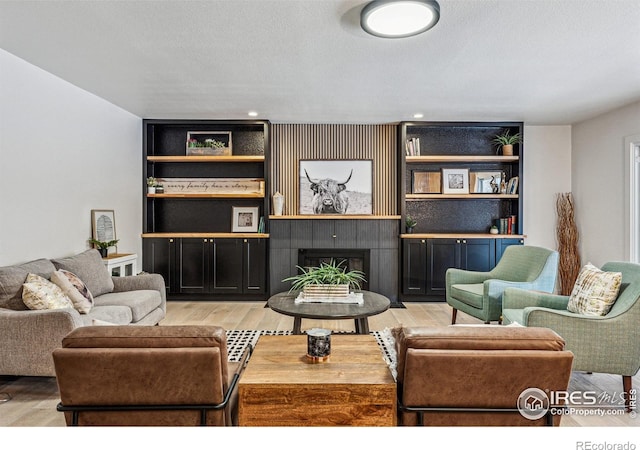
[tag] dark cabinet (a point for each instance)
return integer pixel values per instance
(212, 266)
(426, 261)
(502, 244)
(159, 257)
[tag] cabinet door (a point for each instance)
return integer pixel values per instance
(414, 266)
(477, 254)
(502, 244)
(159, 257)
(255, 270)
(227, 266)
(441, 255)
(329, 233)
(193, 266)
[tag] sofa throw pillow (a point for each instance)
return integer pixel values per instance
(40, 293)
(89, 268)
(75, 289)
(594, 292)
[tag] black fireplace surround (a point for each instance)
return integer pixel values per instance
(349, 259)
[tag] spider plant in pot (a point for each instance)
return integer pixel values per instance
(103, 246)
(329, 280)
(506, 141)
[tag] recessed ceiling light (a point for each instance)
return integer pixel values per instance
(399, 18)
(418, 116)
(253, 114)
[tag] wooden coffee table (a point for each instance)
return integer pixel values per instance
(281, 387)
(374, 303)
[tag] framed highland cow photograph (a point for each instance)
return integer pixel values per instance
(336, 187)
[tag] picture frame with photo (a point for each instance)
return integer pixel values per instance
(426, 182)
(486, 182)
(103, 225)
(245, 219)
(343, 187)
(455, 181)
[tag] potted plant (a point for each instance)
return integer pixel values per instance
(410, 223)
(103, 246)
(506, 141)
(152, 182)
(328, 280)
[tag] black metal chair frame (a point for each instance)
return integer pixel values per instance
(77, 409)
(420, 410)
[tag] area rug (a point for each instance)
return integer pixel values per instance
(237, 340)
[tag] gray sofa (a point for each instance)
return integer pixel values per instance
(28, 337)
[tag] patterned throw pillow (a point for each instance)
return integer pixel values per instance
(75, 289)
(595, 291)
(40, 293)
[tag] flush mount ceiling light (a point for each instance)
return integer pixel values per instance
(399, 18)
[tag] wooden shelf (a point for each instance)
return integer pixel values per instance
(213, 159)
(333, 216)
(459, 158)
(251, 195)
(205, 235)
(460, 236)
(459, 196)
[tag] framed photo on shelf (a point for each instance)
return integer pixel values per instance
(455, 181)
(336, 187)
(245, 219)
(426, 182)
(485, 182)
(103, 225)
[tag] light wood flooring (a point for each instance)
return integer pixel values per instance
(33, 399)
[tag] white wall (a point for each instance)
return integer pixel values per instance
(547, 172)
(598, 168)
(63, 152)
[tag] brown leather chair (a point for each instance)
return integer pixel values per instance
(140, 375)
(474, 375)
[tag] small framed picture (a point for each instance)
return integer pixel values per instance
(103, 225)
(426, 182)
(485, 182)
(245, 219)
(455, 181)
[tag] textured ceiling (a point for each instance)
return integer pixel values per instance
(308, 61)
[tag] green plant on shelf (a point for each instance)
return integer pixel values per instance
(213, 143)
(507, 138)
(152, 181)
(328, 273)
(410, 222)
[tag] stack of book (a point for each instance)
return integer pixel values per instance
(413, 147)
(506, 225)
(261, 225)
(512, 186)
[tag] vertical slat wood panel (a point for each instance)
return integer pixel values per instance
(294, 142)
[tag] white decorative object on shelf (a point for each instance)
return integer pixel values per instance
(278, 204)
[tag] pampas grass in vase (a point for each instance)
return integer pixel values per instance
(567, 236)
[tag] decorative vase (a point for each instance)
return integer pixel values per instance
(151, 189)
(409, 230)
(104, 252)
(278, 204)
(507, 150)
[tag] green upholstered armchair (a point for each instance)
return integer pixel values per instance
(479, 294)
(602, 344)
